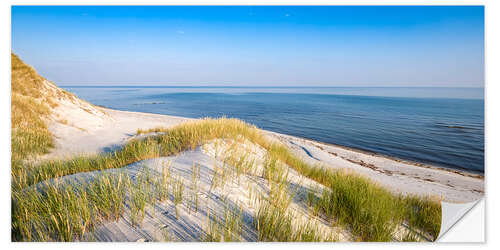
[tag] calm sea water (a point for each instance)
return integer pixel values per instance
(441, 126)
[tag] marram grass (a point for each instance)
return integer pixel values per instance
(31, 103)
(57, 211)
(368, 210)
(29, 109)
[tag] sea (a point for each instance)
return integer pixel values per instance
(439, 126)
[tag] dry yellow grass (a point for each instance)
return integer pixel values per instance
(30, 107)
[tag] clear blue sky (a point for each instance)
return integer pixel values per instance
(248, 46)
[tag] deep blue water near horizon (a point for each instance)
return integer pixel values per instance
(441, 126)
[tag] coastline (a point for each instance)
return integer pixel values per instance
(460, 171)
(396, 175)
(105, 130)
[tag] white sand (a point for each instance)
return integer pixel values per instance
(160, 222)
(81, 128)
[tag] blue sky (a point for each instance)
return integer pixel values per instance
(253, 46)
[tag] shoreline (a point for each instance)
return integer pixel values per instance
(397, 175)
(461, 171)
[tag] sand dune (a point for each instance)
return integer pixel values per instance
(238, 195)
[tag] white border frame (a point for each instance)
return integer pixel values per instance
(492, 127)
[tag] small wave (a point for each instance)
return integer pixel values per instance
(145, 103)
(456, 127)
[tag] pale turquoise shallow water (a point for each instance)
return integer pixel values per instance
(441, 126)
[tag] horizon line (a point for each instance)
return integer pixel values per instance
(244, 86)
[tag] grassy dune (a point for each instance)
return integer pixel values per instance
(368, 210)
(30, 106)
